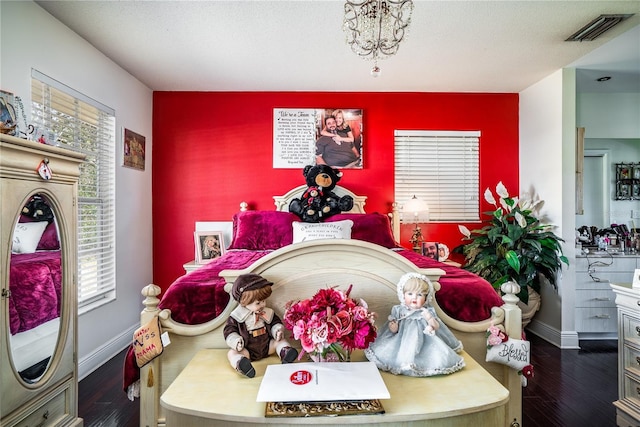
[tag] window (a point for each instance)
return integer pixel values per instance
(441, 168)
(84, 125)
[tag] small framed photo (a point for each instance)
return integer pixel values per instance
(209, 245)
(636, 172)
(133, 149)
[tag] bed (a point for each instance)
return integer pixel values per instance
(195, 307)
(35, 282)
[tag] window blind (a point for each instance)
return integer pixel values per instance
(87, 126)
(441, 168)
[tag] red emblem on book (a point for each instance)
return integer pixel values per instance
(300, 377)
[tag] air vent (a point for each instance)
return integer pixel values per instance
(595, 28)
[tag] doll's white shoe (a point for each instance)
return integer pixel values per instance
(245, 368)
(288, 354)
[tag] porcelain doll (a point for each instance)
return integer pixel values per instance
(414, 341)
(253, 331)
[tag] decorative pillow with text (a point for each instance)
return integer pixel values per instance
(303, 231)
(147, 343)
(26, 236)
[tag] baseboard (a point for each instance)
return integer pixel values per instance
(561, 339)
(104, 353)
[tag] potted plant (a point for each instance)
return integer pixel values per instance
(513, 246)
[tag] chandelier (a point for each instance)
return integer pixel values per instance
(375, 28)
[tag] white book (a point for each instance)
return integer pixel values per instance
(321, 382)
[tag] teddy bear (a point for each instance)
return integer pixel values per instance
(318, 201)
(38, 209)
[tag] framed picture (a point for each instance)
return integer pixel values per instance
(331, 136)
(624, 171)
(7, 113)
(133, 149)
(636, 172)
(209, 245)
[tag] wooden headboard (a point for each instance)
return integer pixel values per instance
(282, 202)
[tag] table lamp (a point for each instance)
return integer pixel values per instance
(415, 210)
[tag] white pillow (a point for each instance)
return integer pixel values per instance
(303, 231)
(26, 236)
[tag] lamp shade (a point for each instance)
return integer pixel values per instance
(415, 207)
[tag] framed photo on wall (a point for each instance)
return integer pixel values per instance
(133, 149)
(331, 136)
(209, 245)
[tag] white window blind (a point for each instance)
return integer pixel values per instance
(441, 168)
(85, 125)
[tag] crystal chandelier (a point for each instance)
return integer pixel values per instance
(375, 28)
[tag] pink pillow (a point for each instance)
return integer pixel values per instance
(49, 240)
(262, 230)
(372, 227)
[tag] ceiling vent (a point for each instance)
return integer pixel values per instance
(595, 28)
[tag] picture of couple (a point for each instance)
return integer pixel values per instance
(339, 139)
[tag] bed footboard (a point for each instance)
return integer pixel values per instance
(297, 272)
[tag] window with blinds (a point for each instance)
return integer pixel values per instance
(441, 168)
(83, 124)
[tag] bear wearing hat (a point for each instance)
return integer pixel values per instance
(254, 331)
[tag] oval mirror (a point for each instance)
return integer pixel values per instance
(35, 283)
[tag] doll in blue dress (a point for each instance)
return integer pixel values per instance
(414, 341)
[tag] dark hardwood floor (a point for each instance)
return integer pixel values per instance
(570, 388)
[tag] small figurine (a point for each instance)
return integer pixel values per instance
(254, 331)
(414, 341)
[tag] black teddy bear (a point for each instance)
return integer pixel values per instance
(319, 202)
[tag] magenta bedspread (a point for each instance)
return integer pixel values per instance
(35, 284)
(200, 296)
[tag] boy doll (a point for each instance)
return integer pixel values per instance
(253, 331)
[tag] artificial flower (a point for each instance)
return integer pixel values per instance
(329, 322)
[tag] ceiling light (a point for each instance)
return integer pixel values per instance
(595, 28)
(375, 28)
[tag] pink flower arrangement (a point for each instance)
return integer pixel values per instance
(329, 322)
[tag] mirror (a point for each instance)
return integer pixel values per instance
(35, 284)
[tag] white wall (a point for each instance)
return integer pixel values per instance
(547, 167)
(609, 115)
(31, 38)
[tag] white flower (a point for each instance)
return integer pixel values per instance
(525, 204)
(464, 230)
(488, 196)
(502, 190)
(522, 222)
(504, 205)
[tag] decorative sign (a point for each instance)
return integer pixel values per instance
(294, 135)
(300, 134)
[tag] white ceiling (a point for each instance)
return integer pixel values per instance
(452, 46)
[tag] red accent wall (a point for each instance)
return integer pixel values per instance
(212, 150)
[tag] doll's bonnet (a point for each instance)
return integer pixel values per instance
(408, 276)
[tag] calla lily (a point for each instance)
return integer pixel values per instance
(522, 222)
(505, 205)
(525, 204)
(501, 190)
(488, 196)
(464, 230)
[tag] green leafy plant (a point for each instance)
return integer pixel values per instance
(514, 245)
